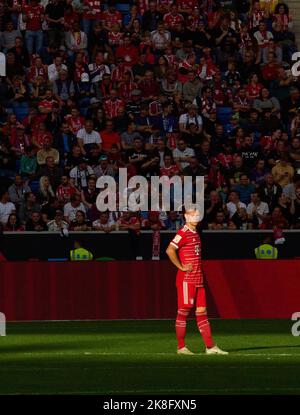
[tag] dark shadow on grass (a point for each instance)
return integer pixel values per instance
(46, 347)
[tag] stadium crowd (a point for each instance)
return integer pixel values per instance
(163, 88)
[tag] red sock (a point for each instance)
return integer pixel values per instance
(204, 328)
(180, 326)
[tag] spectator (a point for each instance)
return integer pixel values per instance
(257, 209)
(104, 168)
(55, 68)
(87, 136)
(213, 206)
(190, 116)
(13, 224)
(35, 223)
(28, 165)
(295, 209)
(244, 188)
(283, 172)
(33, 15)
(234, 203)
(28, 206)
(80, 174)
(52, 171)
(9, 36)
(241, 220)
(269, 191)
(6, 208)
(89, 195)
(104, 223)
(219, 222)
(47, 151)
(72, 207)
(65, 190)
(57, 224)
(54, 14)
(17, 191)
(211, 87)
(182, 155)
(80, 224)
(110, 137)
(275, 220)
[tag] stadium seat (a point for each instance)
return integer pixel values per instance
(35, 186)
(224, 114)
(57, 259)
(123, 7)
(18, 165)
(21, 112)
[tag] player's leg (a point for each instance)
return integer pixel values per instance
(204, 325)
(182, 314)
(201, 318)
(180, 326)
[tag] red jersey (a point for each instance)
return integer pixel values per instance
(46, 104)
(254, 90)
(111, 108)
(75, 124)
(35, 71)
(65, 192)
(169, 171)
(115, 38)
(34, 17)
(108, 139)
(93, 9)
(188, 244)
(172, 20)
(128, 53)
(125, 90)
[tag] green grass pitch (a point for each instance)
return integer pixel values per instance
(138, 357)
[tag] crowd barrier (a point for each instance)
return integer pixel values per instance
(145, 289)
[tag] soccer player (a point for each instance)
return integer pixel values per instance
(185, 253)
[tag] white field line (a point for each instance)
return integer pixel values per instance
(233, 354)
(202, 391)
(105, 368)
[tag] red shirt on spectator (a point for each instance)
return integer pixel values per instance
(254, 90)
(70, 19)
(94, 11)
(115, 38)
(41, 137)
(34, 16)
(65, 192)
(149, 88)
(117, 74)
(46, 104)
(172, 20)
(169, 171)
(35, 72)
(75, 124)
(108, 139)
(270, 72)
(125, 90)
(111, 107)
(128, 53)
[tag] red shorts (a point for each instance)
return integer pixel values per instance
(189, 295)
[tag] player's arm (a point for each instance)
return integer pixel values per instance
(172, 254)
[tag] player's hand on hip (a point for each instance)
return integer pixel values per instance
(187, 267)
